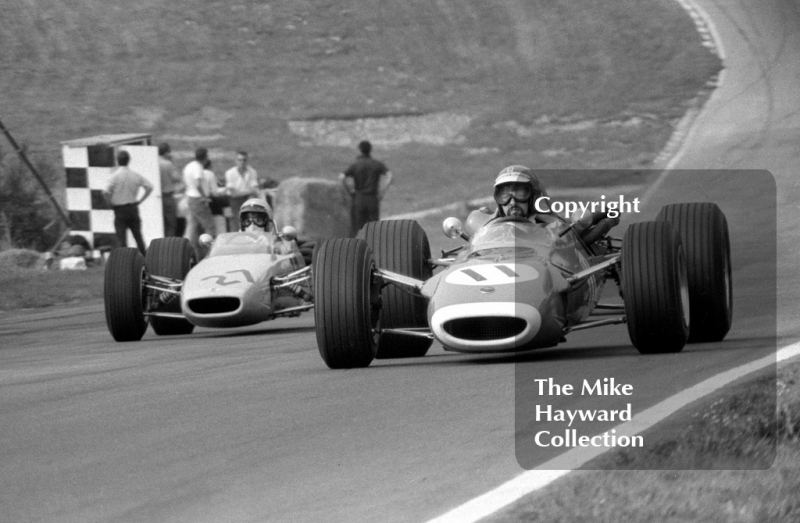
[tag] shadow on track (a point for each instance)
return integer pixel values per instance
(566, 353)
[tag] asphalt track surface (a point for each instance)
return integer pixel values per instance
(249, 425)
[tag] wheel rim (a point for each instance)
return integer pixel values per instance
(375, 285)
(726, 271)
(683, 281)
(145, 294)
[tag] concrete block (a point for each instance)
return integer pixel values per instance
(316, 207)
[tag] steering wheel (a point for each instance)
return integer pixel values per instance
(518, 219)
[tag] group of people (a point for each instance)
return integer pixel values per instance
(197, 199)
(214, 203)
(194, 200)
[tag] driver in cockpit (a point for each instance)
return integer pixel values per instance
(255, 215)
(516, 189)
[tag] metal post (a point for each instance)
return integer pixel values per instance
(21, 153)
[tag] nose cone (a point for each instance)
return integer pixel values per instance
(227, 291)
(486, 326)
(494, 307)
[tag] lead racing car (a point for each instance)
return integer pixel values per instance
(246, 278)
(520, 284)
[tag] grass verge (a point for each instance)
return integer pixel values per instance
(751, 426)
(32, 288)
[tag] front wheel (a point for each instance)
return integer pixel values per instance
(171, 258)
(123, 294)
(655, 288)
(347, 302)
(401, 246)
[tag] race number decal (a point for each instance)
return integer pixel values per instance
(222, 279)
(496, 274)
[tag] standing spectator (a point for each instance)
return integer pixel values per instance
(241, 182)
(367, 181)
(219, 198)
(171, 187)
(198, 194)
(182, 209)
(122, 193)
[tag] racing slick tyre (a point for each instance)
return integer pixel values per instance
(655, 288)
(401, 246)
(347, 304)
(171, 258)
(123, 294)
(704, 233)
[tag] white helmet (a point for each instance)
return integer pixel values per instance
(519, 182)
(255, 214)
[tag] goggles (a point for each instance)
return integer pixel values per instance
(259, 218)
(521, 192)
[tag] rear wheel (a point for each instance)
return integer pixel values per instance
(171, 258)
(123, 294)
(655, 289)
(347, 302)
(401, 246)
(307, 248)
(704, 233)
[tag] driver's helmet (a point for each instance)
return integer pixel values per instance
(255, 214)
(519, 182)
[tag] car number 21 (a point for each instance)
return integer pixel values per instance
(222, 279)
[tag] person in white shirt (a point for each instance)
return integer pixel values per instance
(198, 195)
(241, 183)
(122, 193)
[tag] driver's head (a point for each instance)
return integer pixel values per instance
(255, 215)
(515, 190)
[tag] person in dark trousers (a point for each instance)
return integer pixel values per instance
(366, 181)
(122, 193)
(171, 185)
(198, 195)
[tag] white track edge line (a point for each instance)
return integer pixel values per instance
(533, 480)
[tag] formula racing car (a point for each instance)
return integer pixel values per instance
(519, 284)
(246, 278)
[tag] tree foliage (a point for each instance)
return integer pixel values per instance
(27, 216)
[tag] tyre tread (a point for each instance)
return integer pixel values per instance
(401, 246)
(122, 294)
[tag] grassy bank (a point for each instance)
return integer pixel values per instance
(550, 84)
(754, 426)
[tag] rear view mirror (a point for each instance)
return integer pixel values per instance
(289, 233)
(206, 240)
(453, 228)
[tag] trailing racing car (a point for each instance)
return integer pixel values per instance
(246, 278)
(519, 284)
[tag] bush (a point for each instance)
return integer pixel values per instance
(27, 216)
(20, 258)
